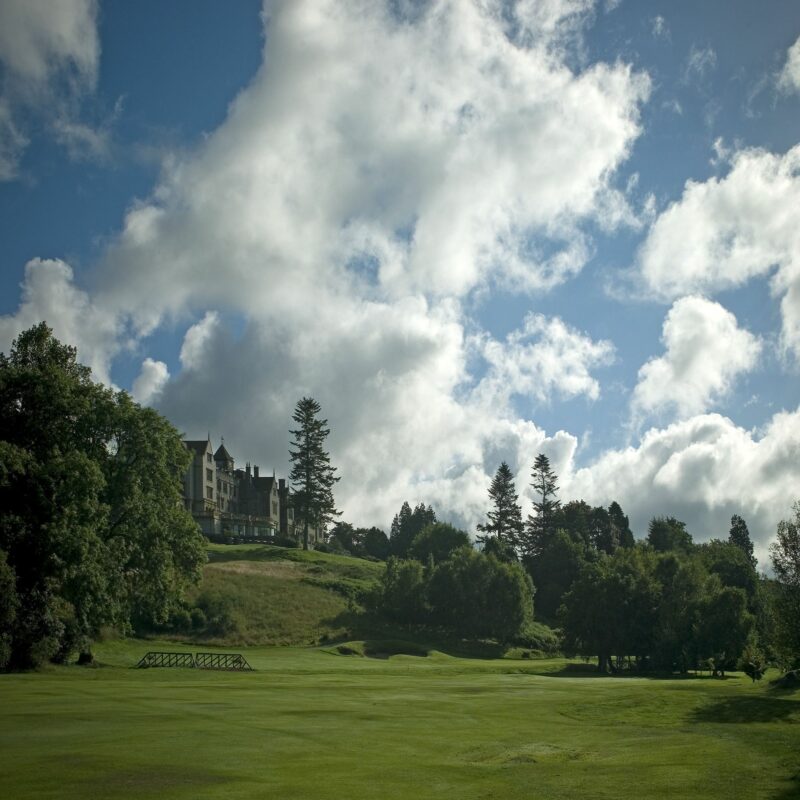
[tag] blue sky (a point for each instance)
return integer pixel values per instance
(472, 231)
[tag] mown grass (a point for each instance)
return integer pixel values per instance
(310, 723)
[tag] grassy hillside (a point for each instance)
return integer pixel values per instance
(312, 723)
(260, 594)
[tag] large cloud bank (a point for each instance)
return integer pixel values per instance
(383, 170)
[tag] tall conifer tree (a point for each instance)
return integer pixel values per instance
(540, 526)
(740, 536)
(505, 516)
(312, 476)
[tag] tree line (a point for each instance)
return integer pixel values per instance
(663, 603)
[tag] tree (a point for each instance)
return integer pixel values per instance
(375, 543)
(785, 552)
(438, 541)
(554, 570)
(619, 522)
(343, 535)
(724, 625)
(667, 533)
(541, 525)
(732, 566)
(403, 591)
(406, 525)
(611, 609)
(740, 536)
(91, 515)
(505, 516)
(477, 595)
(312, 476)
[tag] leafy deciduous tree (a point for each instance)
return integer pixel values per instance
(785, 552)
(667, 533)
(91, 515)
(438, 541)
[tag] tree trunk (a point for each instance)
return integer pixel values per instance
(305, 534)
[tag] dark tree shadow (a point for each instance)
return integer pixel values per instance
(792, 792)
(381, 637)
(742, 709)
(583, 670)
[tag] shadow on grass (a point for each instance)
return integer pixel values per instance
(590, 671)
(743, 709)
(792, 792)
(379, 634)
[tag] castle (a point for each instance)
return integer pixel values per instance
(236, 503)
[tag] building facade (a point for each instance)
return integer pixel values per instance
(232, 503)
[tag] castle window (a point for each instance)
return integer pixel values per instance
(209, 492)
(209, 475)
(274, 509)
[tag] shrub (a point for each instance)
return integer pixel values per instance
(180, 620)
(220, 612)
(403, 596)
(199, 620)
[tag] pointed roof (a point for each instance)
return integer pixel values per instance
(199, 446)
(222, 454)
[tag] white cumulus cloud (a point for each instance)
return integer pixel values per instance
(726, 231)
(789, 78)
(544, 358)
(705, 351)
(196, 339)
(430, 155)
(49, 294)
(49, 52)
(150, 381)
(702, 470)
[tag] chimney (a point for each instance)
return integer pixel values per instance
(247, 469)
(255, 470)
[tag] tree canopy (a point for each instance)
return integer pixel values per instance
(92, 526)
(406, 525)
(785, 554)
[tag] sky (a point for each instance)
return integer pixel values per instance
(473, 231)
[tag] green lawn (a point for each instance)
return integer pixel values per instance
(311, 723)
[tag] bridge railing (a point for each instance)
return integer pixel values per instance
(234, 662)
(159, 659)
(230, 661)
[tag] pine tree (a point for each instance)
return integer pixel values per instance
(540, 526)
(312, 476)
(505, 517)
(740, 536)
(620, 523)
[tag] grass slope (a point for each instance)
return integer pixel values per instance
(283, 596)
(313, 724)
